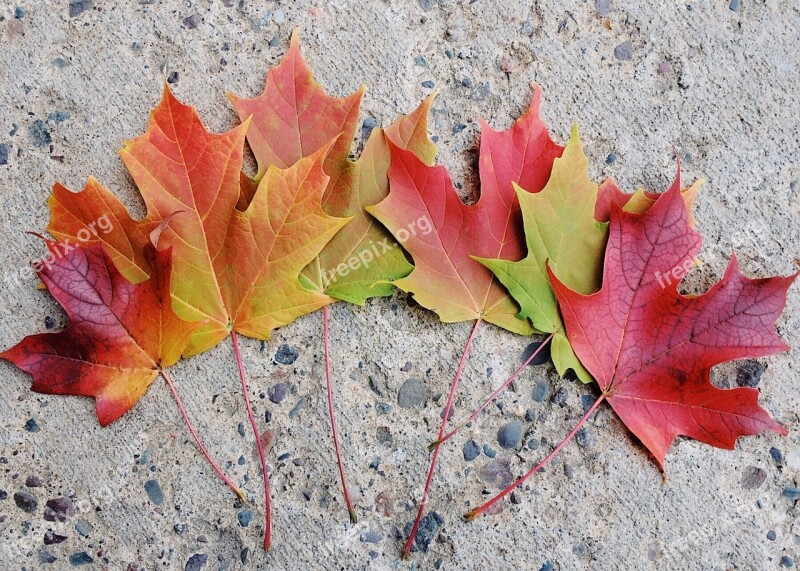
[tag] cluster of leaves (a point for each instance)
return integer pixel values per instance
(543, 250)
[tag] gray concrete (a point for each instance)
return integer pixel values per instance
(717, 82)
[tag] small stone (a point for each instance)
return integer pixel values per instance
(428, 84)
(83, 528)
(611, 158)
(383, 408)
(428, 528)
(78, 7)
(624, 51)
(482, 91)
(3, 495)
(548, 566)
(384, 435)
(753, 477)
(771, 535)
(191, 21)
(154, 492)
(144, 458)
(602, 7)
(749, 373)
(420, 61)
(240, 429)
(540, 391)
(371, 537)
(471, 450)
(426, 5)
(569, 471)
(3, 154)
(19, 12)
(384, 504)
(173, 78)
(516, 497)
(530, 415)
(734, 5)
(241, 461)
(58, 509)
(497, 473)
(58, 116)
(298, 407)
(39, 134)
(489, 451)
(196, 562)
(791, 493)
(284, 457)
(245, 555)
(533, 444)
(510, 435)
(286, 355)
(245, 517)
(51, 537)
(411, 394)
(179, 528)
(274, 42)
(527, 28)
(560, 397)
(664, 67)
(407, 367)
(458, 128)
(377, 385)
(777, 455)
(46, 558)
(367, 126)
(279, 17)
(80, 558)
(31, 426)
(585, 437)
(277, 392)
(33, 482)
(787, 562)
(307, 494)
(49, 322)
(541, 358)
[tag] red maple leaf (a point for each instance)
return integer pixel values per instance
(651, 348)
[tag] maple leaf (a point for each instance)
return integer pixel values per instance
(651, 348)
(293, 118)
(178, 166)
(446, 279)
(120, 335)
(562, 229)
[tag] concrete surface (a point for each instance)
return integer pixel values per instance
(716, 80)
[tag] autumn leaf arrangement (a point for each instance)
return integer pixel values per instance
(544, 250)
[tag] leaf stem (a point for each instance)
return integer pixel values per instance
(488, 401)
(261, 455)
(329, 383)
(174, 390)
(445, 416)
(469, 516)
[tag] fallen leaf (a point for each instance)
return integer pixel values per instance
(119, 337)
(651, 348)
(445, 278)
(232, 269)
(361, 260)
